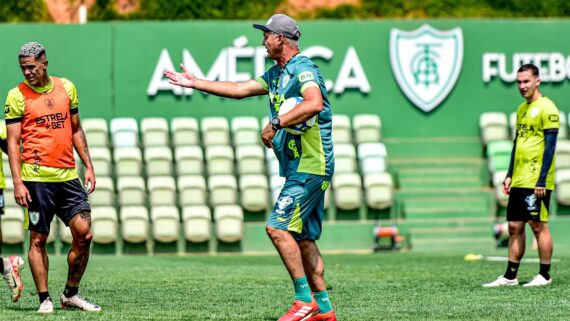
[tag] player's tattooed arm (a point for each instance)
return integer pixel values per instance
(80, 141)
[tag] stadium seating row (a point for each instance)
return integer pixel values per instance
(496, 126)
(156, 131)
(135, 224)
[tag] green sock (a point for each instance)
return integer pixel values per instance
(323, 301)
(302, 290)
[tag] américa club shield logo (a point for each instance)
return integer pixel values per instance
(426, 63)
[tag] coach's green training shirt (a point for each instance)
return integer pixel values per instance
(312, 152)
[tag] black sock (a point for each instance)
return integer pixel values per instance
(512, 269)
(70, 291)
(44, 296)
(545, 271)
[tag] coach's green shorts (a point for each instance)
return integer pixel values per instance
(299, 208)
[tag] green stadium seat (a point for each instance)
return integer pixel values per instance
(165, 223)
(104, 224)
(245, 131)
(250, 159)
(222, 190)
(189, 160)
(124, 132)
(128, 161)
(197, 222)
(379, 189)
(229, 223)
(13, 225)
(185, 131)
(347, 188)
(158, 161)
(219, 160)
(345, 158)
(498, 179)
(215, 131)
(254, 192)
(341, 130)
(131, 191)
(562, 154)
(101, 159)
(162, 190)
(367, 128)
(104, 193)
(499, 155)
(192, 190)
(155, 132)
(493, 126)
(372, 158)
(96, 131)
(563, 186)
(134, 223)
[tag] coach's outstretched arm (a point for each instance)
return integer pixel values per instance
(230, 89)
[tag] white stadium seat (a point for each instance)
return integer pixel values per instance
(134, 223)
(104, 193)
(165, 223)
(272, 162)
(493, 126)
(379, 189)
(197, 221)
(124, 132)
(254, 192)
(372, 158)
(9, 199)
(158, 161)
(276, 183)
(155, 131)
(498, 179)
(367, 128)
(96, 131)
(347, 190)
(192, 190)
(229, 223)
(341, 129)
(131, 190)
(562, 153)
(563, 130)
(185, 131)
(220, 160)
(128, 161)
(345, 158)
(101, 160)
(245, 131)
(13, 225)
(223, 190)
(250, 159)
(104, 224)
(215, 131)
(64, 231)
(161, 190)
(189, 160)
(563, 186)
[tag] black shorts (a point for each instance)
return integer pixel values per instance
(64, 199)
(525, 206)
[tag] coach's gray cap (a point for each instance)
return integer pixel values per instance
(281, 23)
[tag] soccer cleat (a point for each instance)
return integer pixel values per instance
(501, 281)
(300, 311)
(538, 280)
(329, 316)
(46, 307)
(77, 301)
(12, 267)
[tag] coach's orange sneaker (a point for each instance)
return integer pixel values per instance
(329, 316)
(300, 311)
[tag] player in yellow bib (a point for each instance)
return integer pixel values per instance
(530, 178)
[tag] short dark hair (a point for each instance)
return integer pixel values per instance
(529, 67)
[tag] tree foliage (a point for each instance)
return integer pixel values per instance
(23, 11)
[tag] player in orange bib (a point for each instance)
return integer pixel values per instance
(42, 117)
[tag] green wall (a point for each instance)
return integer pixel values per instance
(112, 65)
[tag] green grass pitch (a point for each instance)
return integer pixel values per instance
(383, 286)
